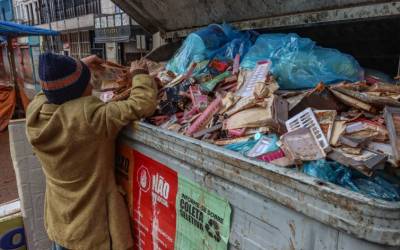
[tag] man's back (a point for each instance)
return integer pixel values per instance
(75, 143)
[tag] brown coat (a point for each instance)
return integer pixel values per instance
(75, 143)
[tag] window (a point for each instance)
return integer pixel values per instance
(37, 12)
(110, 21)
(16, 12)
(97, 22)
(125, 19)
(118, 20)
(26, 13)
(117, 9)
(32, 17)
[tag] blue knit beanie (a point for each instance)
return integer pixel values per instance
(62, 77)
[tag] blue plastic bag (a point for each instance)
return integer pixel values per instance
(236, 46)
(198, 46)
(215, 41)
(298, 63)
(374, 187)
(242, 147)
(330, 171)
(377, 187)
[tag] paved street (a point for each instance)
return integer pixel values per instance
(8, 186)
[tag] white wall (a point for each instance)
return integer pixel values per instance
(107, 7)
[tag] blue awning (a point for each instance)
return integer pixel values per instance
(11, 29)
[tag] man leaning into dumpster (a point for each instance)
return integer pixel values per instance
(73, 135)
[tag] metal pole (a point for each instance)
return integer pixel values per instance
(49, 17)
(13, 72)
(11, 59)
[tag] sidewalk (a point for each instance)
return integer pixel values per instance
(8, 185)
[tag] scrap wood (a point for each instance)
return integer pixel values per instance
(354, 142)
(382, 87)
(378, 101)
(201, 133)
(385, 149)
(339, 128)
(351, 150)
(326, 119)
(205, 117)
(353, 102)
(224, 142)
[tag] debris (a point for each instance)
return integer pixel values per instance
(224, 142)
(293, 143)
(249, 118)
(354, 142)
(214, 97)
(264, 145)
(307, 119)
(228, 101)
(339, 127)
(259, 75)
(353, 102)
(274, 113)
(210, 85)
(236, 132)
(366, 129)
(385, 88)
(369, 99)
(392, 119)
(236, 64)
(207, 130)
(205, 117)
(326, 118)
(263, 90)
(351, 150)
(366, 162)
(319, 98)
(242, 104)
(385, 149)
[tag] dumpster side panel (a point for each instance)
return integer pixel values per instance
(369, 219)
(258, 222)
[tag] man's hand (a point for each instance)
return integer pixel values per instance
(93, 62)
(138, 65)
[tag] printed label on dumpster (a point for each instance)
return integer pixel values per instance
(171, 212)
(154, 196)
(203, 219)
(12, 234)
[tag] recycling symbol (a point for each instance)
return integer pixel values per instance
(212, 229)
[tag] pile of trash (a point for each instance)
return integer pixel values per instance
(281, 99)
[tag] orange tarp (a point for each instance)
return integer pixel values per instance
(7, 105)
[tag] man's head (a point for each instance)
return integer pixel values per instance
(62, 77)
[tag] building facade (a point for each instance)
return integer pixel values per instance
(87, 27)
(124, 39)
(6, 10)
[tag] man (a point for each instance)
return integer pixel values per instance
(73, 135)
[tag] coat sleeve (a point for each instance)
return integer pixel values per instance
(111, 117)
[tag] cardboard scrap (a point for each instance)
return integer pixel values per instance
(366, 162)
